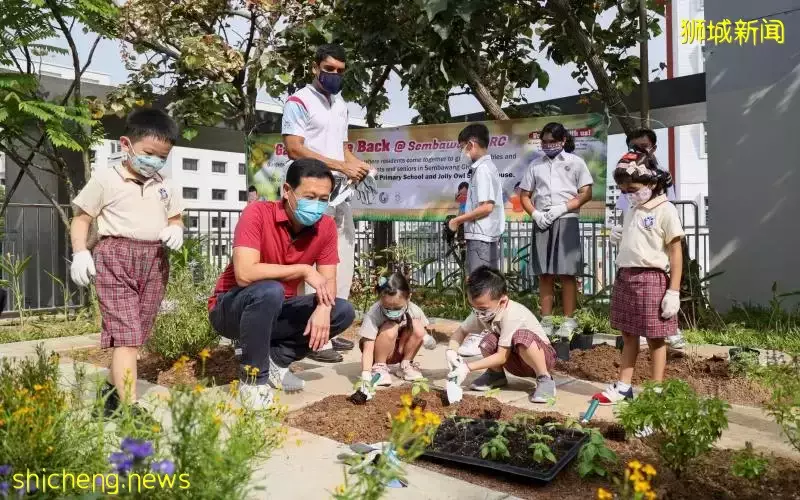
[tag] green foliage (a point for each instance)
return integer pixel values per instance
(496, 448)
(748, 464)
(183, 329)
(784, 405)
(420, 385)
(13, 268)
(540, 444)
(595, 457)
(685, 425)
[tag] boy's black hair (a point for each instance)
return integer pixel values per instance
(642, 132)
(559, 133)
(332, 50)
(463, 185)
(151, 122)
(392, 285)
(307, 167)
(477, 132)
(486, 280)
(661, 178)
(251, 189)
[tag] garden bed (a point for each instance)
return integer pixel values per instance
(708, 376)
(707, 477)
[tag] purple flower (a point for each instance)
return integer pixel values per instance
(122, 462)
(163, 467)
(138, 449)
(5, 470)
(4, 487)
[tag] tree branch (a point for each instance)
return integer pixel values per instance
(53, 201)
(482, 93)
(377, 86)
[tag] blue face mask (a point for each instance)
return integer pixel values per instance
(393, 314)
(330, 82)
(552, 151)
(145, 165)
(309, 212)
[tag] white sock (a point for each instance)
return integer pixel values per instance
(623, 387)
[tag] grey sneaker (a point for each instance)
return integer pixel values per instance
(283, 379)
(489, 380)
(547, 325)
(676, 341)
(545, 390)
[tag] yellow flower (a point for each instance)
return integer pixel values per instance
(247, 368)
(139, 102)
(402, 416)
(49, 450)
(650, 495)
(37, 387)
(156, 428)
(603, 494)
(198, 389)
(205, 354)
(418, 412)
(634, 465)
(217, 420)
(636, 476)
(641, 486)
(649, 470)
(254, 372)
(340, 489)
(406, 399)
(426, 440)
(432, 418)
(234, 388)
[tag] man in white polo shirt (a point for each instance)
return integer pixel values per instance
(315, 121)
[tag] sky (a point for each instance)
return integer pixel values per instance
(107, 60)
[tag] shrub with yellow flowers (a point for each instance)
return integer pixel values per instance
(412, 432)
(635, 485)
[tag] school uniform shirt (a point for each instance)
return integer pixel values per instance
(514, 317)
(556, 181)
(126, 207)
(374, 318)
(646, 232)
(319, 119)
(485, 186)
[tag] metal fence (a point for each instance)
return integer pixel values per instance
(35, 231)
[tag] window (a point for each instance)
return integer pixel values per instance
(115, 147)
(219, 222)
(192, 222)
(242, 169)
(708, 214)
(220, 250)
(190, 164)
(242, 195)
(217, 194)
(218, 167)
(190, 193)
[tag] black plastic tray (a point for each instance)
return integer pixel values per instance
(544, 477)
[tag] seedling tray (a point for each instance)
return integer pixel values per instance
(569, 445)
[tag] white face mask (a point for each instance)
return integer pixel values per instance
(639, 197)
(465, 158)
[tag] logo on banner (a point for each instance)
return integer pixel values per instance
(383, 198)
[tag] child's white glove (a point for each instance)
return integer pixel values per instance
(555, 212)
(459, 374)
(616, 235)
(670, 304)
(172, 236)
(453, 359)
(540, 219)
(82, 270)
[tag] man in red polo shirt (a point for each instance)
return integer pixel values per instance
(278, 246)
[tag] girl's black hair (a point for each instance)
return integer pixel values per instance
(392, 285)
(559, 133)
(654, 175)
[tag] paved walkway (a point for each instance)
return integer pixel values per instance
(307, 466)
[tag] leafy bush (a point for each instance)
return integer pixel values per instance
(183, 329)
(784, 405)
(684, 424)
(595, 457)
(748, 464)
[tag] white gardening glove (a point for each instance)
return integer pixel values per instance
(82, 270)
(554, 212)
(670, 304)
(459, 374)
(453, 359)
(616, 235)
(172, 236)
(540, 218)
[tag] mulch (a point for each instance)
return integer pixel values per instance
(708, 376)
(708, 477)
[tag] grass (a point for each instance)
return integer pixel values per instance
(46, 328)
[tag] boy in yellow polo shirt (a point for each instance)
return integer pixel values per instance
(137, 213)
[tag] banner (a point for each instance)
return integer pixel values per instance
(419, 169)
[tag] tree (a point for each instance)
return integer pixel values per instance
(35, 128)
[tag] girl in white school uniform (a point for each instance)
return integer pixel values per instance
(646, 297)
(555, 187)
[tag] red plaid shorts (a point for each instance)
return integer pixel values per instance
(131, 278)
(636, 303)
(515, 364)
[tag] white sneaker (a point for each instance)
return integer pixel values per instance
(410, 371)
(547, 326)
(676, 341)
(567, 327)
(471, 345)
(429, 342)
(255, 397)
(283, 379)
(385, 378)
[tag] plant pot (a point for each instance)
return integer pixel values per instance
(562, 349)
(581, 341)
(734, 352)
(620, 342)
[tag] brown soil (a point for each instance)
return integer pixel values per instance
(707, 376)
(708, 477)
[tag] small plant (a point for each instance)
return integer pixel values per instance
(540, 447)
(635, 485)
(684, 424)
(13, 268)
(595, 457)
(420, 385)
(743, 364)
(496, 448)
(65, 292)
(784, 405)
(492, 393)
(748, 464)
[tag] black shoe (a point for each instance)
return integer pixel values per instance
(340, 344)
(326, 356)
(108, 393)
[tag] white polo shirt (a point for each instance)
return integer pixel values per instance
(319, 119)
(556, 181)
(647, 231)
(484, 185)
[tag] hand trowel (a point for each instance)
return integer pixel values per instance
(454, 391)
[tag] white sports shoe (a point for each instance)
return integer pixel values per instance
(255, 397)
(471, 345)
(385, 379)
(676, 341)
